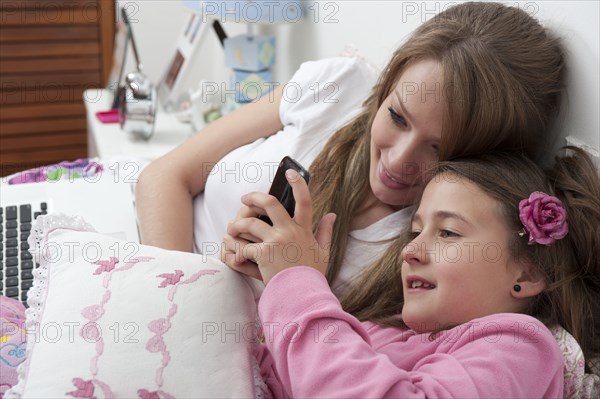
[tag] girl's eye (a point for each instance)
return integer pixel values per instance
(396, 117)
(436, 149)
(448, 234)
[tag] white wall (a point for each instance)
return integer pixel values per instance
(577, 23)
(157, 24)
(376, 28)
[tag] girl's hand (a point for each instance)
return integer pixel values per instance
(247, 211)
(233, 248)
(289, 242)
(233, 253)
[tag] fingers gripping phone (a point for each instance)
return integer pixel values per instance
(281, 189)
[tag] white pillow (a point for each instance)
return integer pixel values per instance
(111, 318)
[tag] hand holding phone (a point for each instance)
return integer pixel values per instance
(240, 232)
(282, 190)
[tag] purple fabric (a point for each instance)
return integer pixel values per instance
(84, 167)
(12, 341)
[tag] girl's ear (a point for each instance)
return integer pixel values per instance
(530, 280)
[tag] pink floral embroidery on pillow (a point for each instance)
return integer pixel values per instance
(156, 344)
(170, 278)
(161, 326)
(91, 331)
(85, 389)
(105, 265)
(93, 312)
(145, 394)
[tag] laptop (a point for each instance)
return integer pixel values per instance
(104, 203)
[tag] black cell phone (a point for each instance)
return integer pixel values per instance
(281, 189)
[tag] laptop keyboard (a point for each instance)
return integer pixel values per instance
(16, 263)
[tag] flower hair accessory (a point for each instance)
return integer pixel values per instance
(544, 218)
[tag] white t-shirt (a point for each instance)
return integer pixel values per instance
(321, 97)
(367, 245)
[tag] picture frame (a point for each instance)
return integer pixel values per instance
(170, 85)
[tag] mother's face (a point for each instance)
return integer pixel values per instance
(406, 134)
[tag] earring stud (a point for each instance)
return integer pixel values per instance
(517, 288)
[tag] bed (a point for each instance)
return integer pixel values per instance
(111, 319)
(139, 321)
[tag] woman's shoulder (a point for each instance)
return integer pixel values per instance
(332, 70)
(325, 94)
(343, 61)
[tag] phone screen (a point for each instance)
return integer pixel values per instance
(281, 189)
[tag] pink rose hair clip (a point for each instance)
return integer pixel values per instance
(543, 218)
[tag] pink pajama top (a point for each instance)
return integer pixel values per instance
(316, 350)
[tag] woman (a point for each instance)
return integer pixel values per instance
(476, 77)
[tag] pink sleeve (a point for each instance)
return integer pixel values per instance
(319, 350)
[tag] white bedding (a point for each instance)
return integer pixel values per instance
(114, 319)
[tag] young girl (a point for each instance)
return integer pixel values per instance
(476, 77)
(496, 252)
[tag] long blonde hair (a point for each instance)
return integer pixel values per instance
(503, 75)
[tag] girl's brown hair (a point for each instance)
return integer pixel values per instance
(571, 266)
(503, 76)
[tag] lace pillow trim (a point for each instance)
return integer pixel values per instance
(36, 296)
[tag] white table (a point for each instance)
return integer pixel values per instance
(107, 140)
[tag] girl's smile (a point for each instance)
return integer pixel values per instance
(458, 266)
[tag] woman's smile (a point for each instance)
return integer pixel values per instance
(390, 181)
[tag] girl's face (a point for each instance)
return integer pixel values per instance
(457, 267)
(405, 135)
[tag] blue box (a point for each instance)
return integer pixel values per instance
(249, 54)
(250, 86)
